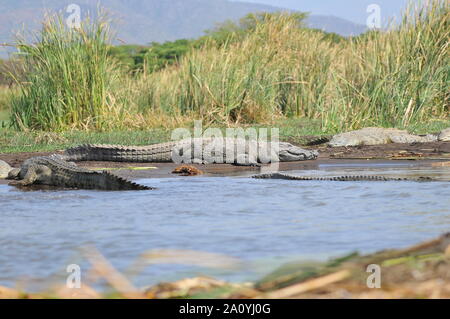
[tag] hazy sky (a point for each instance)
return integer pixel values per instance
(353, 10)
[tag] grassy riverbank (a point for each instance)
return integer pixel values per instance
(13, 141)
(291, 130)
(273, 71)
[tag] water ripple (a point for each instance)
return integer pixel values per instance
(245, 218)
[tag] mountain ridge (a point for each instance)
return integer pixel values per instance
(144, 21)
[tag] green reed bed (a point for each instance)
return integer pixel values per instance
(70, 80)
(396, 78)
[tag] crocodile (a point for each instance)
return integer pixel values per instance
(4, 169)
(53, 170)
(444, 135)
(378, 135)
(349, 178)
(210, 150)
(59, 170)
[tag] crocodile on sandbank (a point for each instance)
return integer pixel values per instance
(197, 150)
(378, 135)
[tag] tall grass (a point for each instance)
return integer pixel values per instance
(271, 73)
(5, 97)
(394, 78)
(5, 101)
(70, 80)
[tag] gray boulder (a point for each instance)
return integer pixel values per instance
(4, 169)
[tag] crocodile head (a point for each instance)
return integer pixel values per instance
(290, 153)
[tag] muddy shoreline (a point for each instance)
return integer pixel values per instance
(424, 154)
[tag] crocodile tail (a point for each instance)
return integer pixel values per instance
(120, 153)
(95, 152)
(114, 182)
(319, 141)
(102, 181)
(77, 153)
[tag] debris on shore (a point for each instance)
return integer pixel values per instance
(187, 170)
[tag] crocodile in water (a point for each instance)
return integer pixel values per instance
(348, 178)
(54, 171)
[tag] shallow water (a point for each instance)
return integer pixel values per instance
(262, 222)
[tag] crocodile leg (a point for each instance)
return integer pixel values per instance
(246, 160)
(14, 173)
(33, 174)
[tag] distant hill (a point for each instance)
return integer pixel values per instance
(145, 21)
(335, 24)
(353, 10)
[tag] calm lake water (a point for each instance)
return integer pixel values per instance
(263, 223)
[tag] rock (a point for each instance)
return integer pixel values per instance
(4, 169)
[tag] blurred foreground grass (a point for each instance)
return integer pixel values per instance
(420, 271)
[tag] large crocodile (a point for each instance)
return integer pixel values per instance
(55, 171)
(58, 170)
(347, 178)
(196, 150)
(378, 135)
